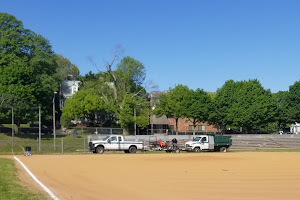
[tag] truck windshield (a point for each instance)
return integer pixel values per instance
(196, 139)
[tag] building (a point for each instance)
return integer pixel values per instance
(67, 89)
(295, 128)
(164, 124)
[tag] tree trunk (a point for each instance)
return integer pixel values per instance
(194, 123)
(176, 122)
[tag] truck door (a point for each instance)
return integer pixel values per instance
(204, 142)
(113, 143)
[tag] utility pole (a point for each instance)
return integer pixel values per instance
(39, 128)
(54, 134)
(12, 126)
(134, 112)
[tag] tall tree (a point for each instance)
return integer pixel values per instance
(27, 66)
(173, 103)
(123, 91)
(65, 68)
(244, 104)
(283, 117)
(197, 107)
(294, 102)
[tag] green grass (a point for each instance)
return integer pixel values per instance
(70, 144)
(10, 187)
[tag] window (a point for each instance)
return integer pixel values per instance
(201, 128)
(74, 89)
(113, 139)
(191, 127)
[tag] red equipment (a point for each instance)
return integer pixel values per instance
(162, 144)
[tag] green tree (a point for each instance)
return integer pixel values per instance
(85, 105)
(128, 92)
(282, 115)
(119, 90)
(244, 104)
(173, 103)
(197, 107)
(27, 67)
(294, 102)
(65, 68)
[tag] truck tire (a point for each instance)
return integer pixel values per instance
(176, 150)
(197, 149)
(132, 149)
(223, 149)
(100, 149)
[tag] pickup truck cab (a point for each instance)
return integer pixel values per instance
(211, 142)
(115, 143)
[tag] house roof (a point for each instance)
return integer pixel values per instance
(159, 120)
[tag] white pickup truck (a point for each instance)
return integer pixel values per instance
(115, 143)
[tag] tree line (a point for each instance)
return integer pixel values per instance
(240, 105)
(30, 72)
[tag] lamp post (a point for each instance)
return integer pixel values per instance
(12, 126)
(54, 134)
(134, 113)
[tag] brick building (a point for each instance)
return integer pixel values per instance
(184, 125)
(164, 124)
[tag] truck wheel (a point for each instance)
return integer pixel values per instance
(197, 149)
(100, 149)
(132, 149)
(223, 149)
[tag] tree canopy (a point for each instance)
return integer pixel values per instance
(243, 104)
(120, 93)
(27, 66)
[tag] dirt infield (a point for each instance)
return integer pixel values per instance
(235, 176)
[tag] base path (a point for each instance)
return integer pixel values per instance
(234, 176)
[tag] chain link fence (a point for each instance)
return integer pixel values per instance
(45, 146)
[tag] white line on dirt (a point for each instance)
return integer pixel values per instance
(36, 180)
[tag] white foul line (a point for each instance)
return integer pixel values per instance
(36, 180)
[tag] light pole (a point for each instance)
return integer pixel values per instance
(134, 117)
(54, 134)
(12, 126)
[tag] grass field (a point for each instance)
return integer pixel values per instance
(10, 185)
(63, 144)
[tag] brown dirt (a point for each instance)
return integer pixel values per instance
(234, 176)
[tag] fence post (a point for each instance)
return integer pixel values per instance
(62, 145)
(84, 145)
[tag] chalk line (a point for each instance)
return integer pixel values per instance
(36, 180)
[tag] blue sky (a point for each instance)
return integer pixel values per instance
(198, 43)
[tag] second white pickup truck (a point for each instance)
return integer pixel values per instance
(115, 143)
